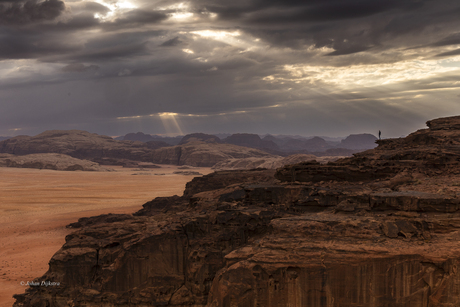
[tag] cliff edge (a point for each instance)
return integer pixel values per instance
(377, 229)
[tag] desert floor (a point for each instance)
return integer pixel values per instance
(36, 205)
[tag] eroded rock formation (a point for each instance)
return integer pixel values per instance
(379, 229)
(49, 161)
(105, 150)
(78, 144)
(202, 154)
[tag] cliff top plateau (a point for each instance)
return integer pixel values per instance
(379, 229)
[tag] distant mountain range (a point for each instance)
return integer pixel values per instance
(196, 149)
(279, 145)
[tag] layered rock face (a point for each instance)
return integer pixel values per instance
(246, 239)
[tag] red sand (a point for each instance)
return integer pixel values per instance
(35, 206)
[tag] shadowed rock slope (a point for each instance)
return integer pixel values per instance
(316, 237)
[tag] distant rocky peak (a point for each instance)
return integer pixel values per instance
(243, 138)
(201, 137)
(139, 136)
(359, 141)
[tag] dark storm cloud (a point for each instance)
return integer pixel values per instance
(347, 26)
(18, 44)
(138, 17)
(79, 67)
(269, 12)
(107, 54)
(172, 42)
(328, 11)
(20, 13)
(449, 53)
(93, 63)
(453, 39)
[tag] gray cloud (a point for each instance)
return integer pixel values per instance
(272, 66)
(31, 11)
(79, 67)
(138, 17)
(172, 42)
(453, 52)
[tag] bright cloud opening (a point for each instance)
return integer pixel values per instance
(170, 123)
(182, 11)
(218, 35)
(115, 7)
(364, 75)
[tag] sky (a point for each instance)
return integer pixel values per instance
(329, 67)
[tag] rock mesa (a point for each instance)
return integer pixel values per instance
(377, 229)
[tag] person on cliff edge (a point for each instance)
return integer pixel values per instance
(380, 133)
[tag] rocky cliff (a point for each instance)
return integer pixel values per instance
(49, 161)
(269, 162)
(78, 144)
(378, 229)
(193, 137)
(359, 141)
(252, 141)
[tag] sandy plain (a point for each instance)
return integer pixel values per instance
(36, 205)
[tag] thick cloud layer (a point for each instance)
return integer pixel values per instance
(31, 11)
(330, 67)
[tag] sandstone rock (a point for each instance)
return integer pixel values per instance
(270, 162)
(49, 161)
(428, 151)
(77, 144)
(250, 140)
(267, 162)
(203, 154)
(188, 173)
(201, 137)
(153, 140)
(105, 150)
(243, 238)
(359, 141)
(139, 136)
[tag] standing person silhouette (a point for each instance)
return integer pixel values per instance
(380, 133)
